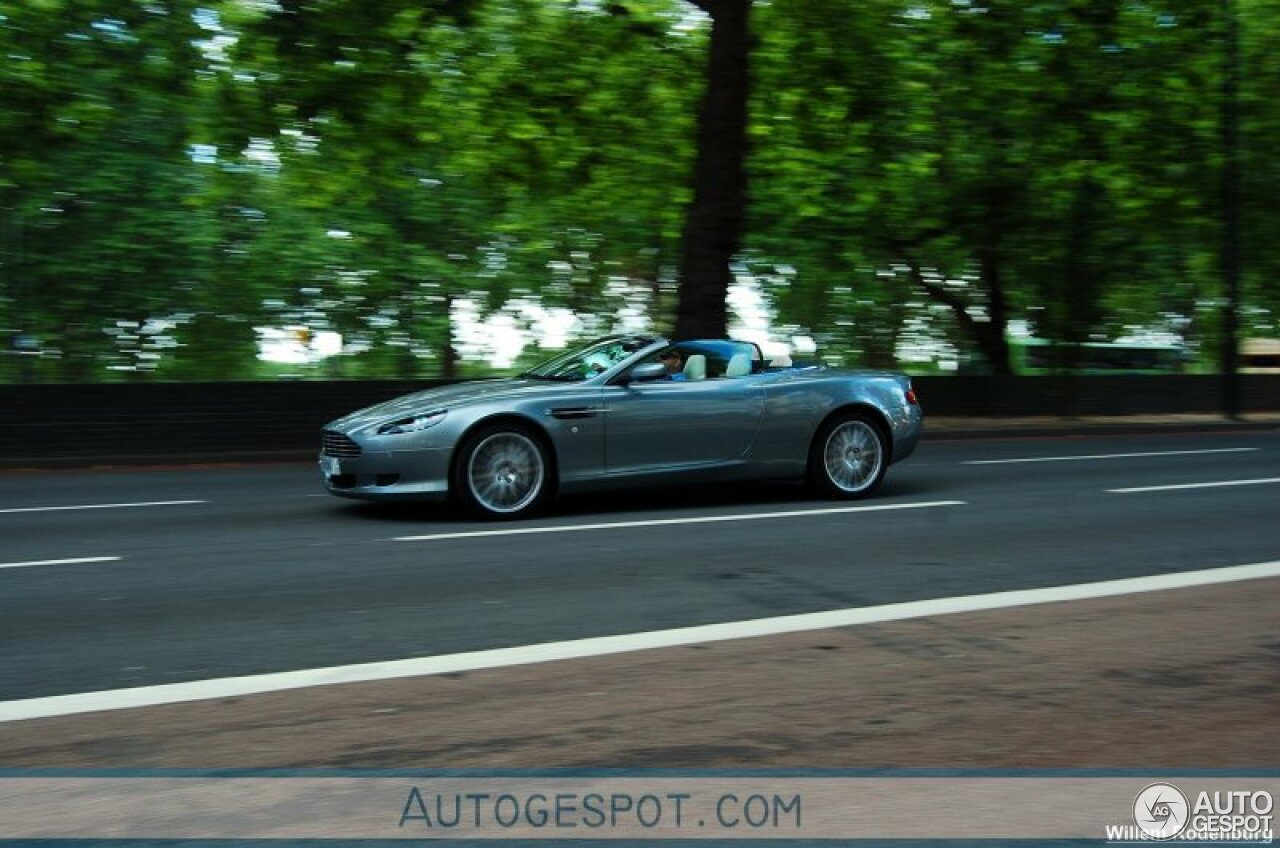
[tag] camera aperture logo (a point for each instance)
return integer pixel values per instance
(1161, 810)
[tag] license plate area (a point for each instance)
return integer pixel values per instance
(330, 466)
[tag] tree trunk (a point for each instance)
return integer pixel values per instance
(448, 353)
(713, 223)
(991, 335)
(987, 335)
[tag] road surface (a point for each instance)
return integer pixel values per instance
(113, 580)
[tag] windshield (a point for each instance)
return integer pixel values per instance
(589, 360)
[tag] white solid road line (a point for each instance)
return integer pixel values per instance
(1178, 486)
(99, 506)
(665, 522)
(231, 687)
(75, 561)
(1104, 456)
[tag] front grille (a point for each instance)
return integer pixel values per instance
(336, 444)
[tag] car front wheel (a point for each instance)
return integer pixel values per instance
(502, 472)
(849, 456)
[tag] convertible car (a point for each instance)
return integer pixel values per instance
(624, 410)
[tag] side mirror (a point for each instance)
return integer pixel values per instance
(645, 372)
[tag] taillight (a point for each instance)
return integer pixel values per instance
(911, 397)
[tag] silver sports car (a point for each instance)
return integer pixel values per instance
(626, 410)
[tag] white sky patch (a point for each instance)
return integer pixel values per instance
(751, 318)
(498, 338)
(326, 343)
(1018, 328)
(215, 47)
(920, 341)
(503, 336)
(750, 309)
(204, 154)
(749, 313)
(552, 327)
(1142, 335)
(262, 152)
(276, 344)
(506, 339)
(207, 19)
(633, 315)
(691, 19)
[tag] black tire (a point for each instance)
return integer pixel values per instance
(502, 472)
(849, 456)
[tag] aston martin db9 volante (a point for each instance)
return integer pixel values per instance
(628, 410)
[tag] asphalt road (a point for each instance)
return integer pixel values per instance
(235, 571)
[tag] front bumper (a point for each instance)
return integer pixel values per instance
(421, 474)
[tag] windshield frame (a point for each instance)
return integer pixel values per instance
(560, 368)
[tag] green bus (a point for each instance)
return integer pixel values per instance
(1032, 356)
(1040, 356)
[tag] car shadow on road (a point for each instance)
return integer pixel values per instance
(652, 502)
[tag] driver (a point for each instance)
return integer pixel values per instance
(674, 363)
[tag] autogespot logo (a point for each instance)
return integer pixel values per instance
(1161, 810)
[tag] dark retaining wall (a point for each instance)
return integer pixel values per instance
(181, 420)
(1116, 395)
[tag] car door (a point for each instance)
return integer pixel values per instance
(651, 426)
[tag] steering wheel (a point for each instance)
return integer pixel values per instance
(596, 363)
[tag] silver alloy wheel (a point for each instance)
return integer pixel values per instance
(853, 455)
(505, 472)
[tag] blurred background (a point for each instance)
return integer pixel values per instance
(253, 189)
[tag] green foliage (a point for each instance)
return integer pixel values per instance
(174, 175)
(1058, 162)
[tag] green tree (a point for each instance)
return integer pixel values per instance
(96, 183)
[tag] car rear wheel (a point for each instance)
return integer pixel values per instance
(502, 472)
(849, 456)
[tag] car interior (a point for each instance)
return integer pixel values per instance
(695, 367)
(710, 360)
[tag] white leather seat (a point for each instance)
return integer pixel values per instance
(695, 367)
(739, 365)
(782, 360)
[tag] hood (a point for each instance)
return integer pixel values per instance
(442, 397)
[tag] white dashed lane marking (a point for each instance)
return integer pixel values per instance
(1105, 456)
(98, 506)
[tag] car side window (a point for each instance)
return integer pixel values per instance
(675, 362)
(711, 360)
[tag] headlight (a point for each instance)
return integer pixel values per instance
(411, 425)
